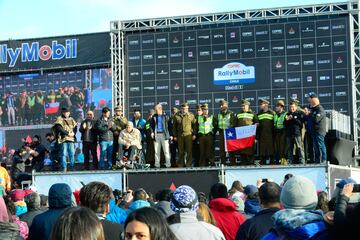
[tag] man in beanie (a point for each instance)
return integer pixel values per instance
(228, 219)
(265, 133)
(185, 203)
(65, 129)
(299, 219)
(105, 128)
(59, 199)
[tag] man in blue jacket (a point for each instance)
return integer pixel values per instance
(59, 199)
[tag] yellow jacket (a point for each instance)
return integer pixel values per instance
(5, 179)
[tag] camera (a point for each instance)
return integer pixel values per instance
(356, 188)
(264, 180)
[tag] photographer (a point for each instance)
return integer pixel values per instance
(37, 153)
(54, 150)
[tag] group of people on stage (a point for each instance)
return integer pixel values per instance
(160, 138)
(30, 107)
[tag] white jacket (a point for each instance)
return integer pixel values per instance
(190, 228)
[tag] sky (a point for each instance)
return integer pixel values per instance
(20, 19)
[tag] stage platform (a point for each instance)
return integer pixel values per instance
(324, 176)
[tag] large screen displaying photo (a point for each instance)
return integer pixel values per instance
(275, 60)
(37, 98)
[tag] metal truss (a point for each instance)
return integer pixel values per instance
(118, 30)
(236, 16)
(117, 66)
(88, 74)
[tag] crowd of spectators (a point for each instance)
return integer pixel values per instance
(293, 209)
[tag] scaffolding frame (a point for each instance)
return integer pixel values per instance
(118, 29)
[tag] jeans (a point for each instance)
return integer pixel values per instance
(319, 148)
(67, 150)
(105, 149)
(291, 141)
(161, 143)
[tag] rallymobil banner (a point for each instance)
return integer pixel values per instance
(56, 52)
(234, 73)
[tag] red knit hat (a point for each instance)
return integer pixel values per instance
(17, 195)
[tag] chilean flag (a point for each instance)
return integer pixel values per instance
(239, 138)
(52, 108)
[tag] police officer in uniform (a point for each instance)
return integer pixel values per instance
(196, 147)
(265, 132)
(184, 134)
(280, 132)
(120, 122)
(225, 120)
(246, 117)
(206, 127)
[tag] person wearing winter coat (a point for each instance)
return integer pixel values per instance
(228, 219)
(59, 199)
(185, 204)
(298, 219)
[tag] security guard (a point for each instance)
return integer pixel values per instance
(120, 122)
(265, 132)
(196, 147)
(206, 127)
(280, 132)
(184, 134)
(225, 120)
(245, 118)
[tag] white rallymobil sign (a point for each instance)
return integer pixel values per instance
(234, 73)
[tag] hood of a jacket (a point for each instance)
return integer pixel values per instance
(291, 219)
(138, 204)
(223, 205)
(252, 206)
(60, 196)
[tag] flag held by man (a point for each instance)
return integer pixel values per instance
(239, 138)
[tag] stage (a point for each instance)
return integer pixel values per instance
(324, 176)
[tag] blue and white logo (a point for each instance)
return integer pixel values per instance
(234, 73)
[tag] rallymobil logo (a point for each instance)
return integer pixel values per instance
(234, 73)
(33, 52)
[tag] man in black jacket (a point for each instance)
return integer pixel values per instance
(294, 121)
(318, 131)
(89, 138)
(160, 133)
(105, 128)
(259, 225)
(96, 196)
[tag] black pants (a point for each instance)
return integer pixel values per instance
(115, 151)
(90, 147)
(173, 150)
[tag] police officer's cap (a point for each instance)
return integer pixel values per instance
(245, 102)
(263, 101)
(105, 110)
(280, 103)
(198, 107)
(174, 109)
(223, 102)
(64, 109)
(118, 108)
(205, 106)
(294, 101)
(185, 104)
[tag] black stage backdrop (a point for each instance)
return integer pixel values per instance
(152, 182)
